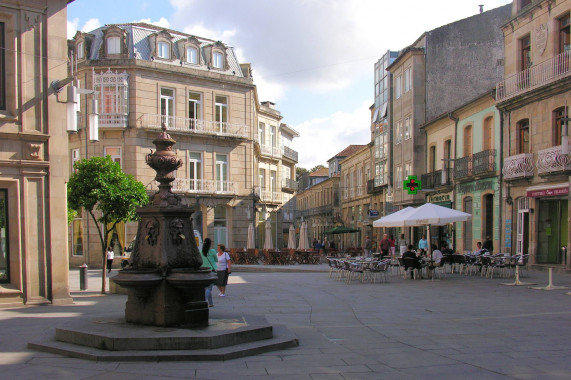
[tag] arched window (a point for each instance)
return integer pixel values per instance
(467, 141)
(558, 116)
(488, 138)
(191, 55)
(113, 45)
(523, 136)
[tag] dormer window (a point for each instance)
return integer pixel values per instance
(217, 60)
(113, 45)
(191, 55)
(79, 49)
(163, 50)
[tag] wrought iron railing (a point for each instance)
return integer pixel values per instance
(538, 75)
(198, 126)
(518, 166)
(288, 183)
(553, 160)
(463, 167)
(484, 161)
(290, 153)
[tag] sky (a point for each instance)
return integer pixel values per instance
(313, 58)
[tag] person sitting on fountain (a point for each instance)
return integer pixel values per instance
(224, 269)
(209, 261)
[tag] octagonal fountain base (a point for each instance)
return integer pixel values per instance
(112, 339)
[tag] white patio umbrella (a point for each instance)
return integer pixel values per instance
(291, 238)
(268, 240)
(303, 243)
(396, 219)
(431, 214)
(251, 243)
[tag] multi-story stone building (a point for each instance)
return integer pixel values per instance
(533, 98)
(471, 134)
(379, 187)
(144, 76)
(319, 205)
(33, 152)
(437, 73)
(355, 201)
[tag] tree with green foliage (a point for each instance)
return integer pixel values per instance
(317, 168)
(299, 171)
(100, 186)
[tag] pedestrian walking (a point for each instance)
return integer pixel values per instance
(368, 247)
(224, 269)
(209, 260)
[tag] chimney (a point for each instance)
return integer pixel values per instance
(481, 8)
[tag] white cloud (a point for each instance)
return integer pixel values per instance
(325, 137)
(91, 24)
(163, 22)
(72, 26)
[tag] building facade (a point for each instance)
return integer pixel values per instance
(533, 98)
(145, 76)
(33, 153)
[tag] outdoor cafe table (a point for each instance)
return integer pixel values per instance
(303, 257)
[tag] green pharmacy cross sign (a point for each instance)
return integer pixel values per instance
(412, 185)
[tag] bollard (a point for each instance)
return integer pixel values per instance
(83, 277)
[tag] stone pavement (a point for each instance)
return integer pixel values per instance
(459, 327)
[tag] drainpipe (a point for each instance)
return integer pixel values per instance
(500, 177)
(455, 119)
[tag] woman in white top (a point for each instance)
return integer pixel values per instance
(223, 270)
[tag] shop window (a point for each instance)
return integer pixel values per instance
(523, 143)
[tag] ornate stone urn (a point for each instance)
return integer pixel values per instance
(165, 281)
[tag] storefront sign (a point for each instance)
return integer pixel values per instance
(373, 213)
(446, 197)
(475, 186)
(548, 192)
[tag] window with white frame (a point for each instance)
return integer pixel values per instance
(114, 152)
(114, 45)
(359, 180)
(221, 112)
(262, 178)
(191, 55)
(407, 79)
(273, 136)
(195, 170)
(80, 50)
(398, 134)
(217, 60)
(262, 133)
(167, 106)
(221, 172)
(398, 87)
(399, 183)
(407, 128)
(163, 50)
(273, 181)
(194, 106)
(407, 171)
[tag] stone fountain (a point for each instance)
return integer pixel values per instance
(166, 314)
(165, 281)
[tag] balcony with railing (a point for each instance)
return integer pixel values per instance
(195, 126)
(518, 166)
(484, 162)
(200, 186)
(436, 179)
(268, 196)
(290, 154)
(553, 161)
(113, 121)
(289, 184)
(536, 76)
(463, 167)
